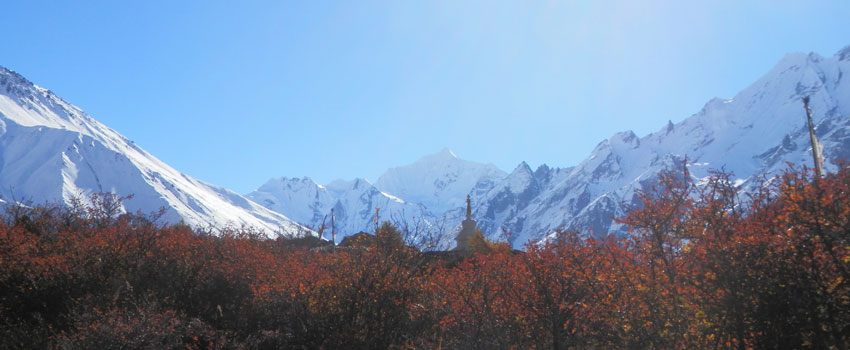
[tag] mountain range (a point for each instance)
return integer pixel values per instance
(52, 151)
(753, 134)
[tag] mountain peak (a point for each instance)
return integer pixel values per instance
(6, 72)
(446, 152)
(340, 185)
(627, 137)
(439, 181)
(843, 54)
(523, 167)
(16, 85)
(442, 158)
(13, 84)
(443, 155)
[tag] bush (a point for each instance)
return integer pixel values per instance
(703, 268)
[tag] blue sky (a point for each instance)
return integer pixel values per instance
(235, 93)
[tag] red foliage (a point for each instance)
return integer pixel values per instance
(704, 268)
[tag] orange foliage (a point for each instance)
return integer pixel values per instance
(705, 267)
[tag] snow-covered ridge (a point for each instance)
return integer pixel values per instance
(753, 133)
(52, 151)
(756, 132)
(439, 181)
(353, 204)
(425, 194)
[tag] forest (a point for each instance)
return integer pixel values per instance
(704, 267)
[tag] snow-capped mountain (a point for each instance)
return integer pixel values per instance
(51, 151)
(354, 204)
(439, 181)
(754, 133)
(426, 197)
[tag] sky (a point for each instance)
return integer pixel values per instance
(236, 93)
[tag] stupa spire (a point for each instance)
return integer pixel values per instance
(468, 208)
(467, 228)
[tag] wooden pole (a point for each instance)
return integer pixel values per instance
(816, 147)
(333, 228)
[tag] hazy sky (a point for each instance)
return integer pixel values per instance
(237, 92)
